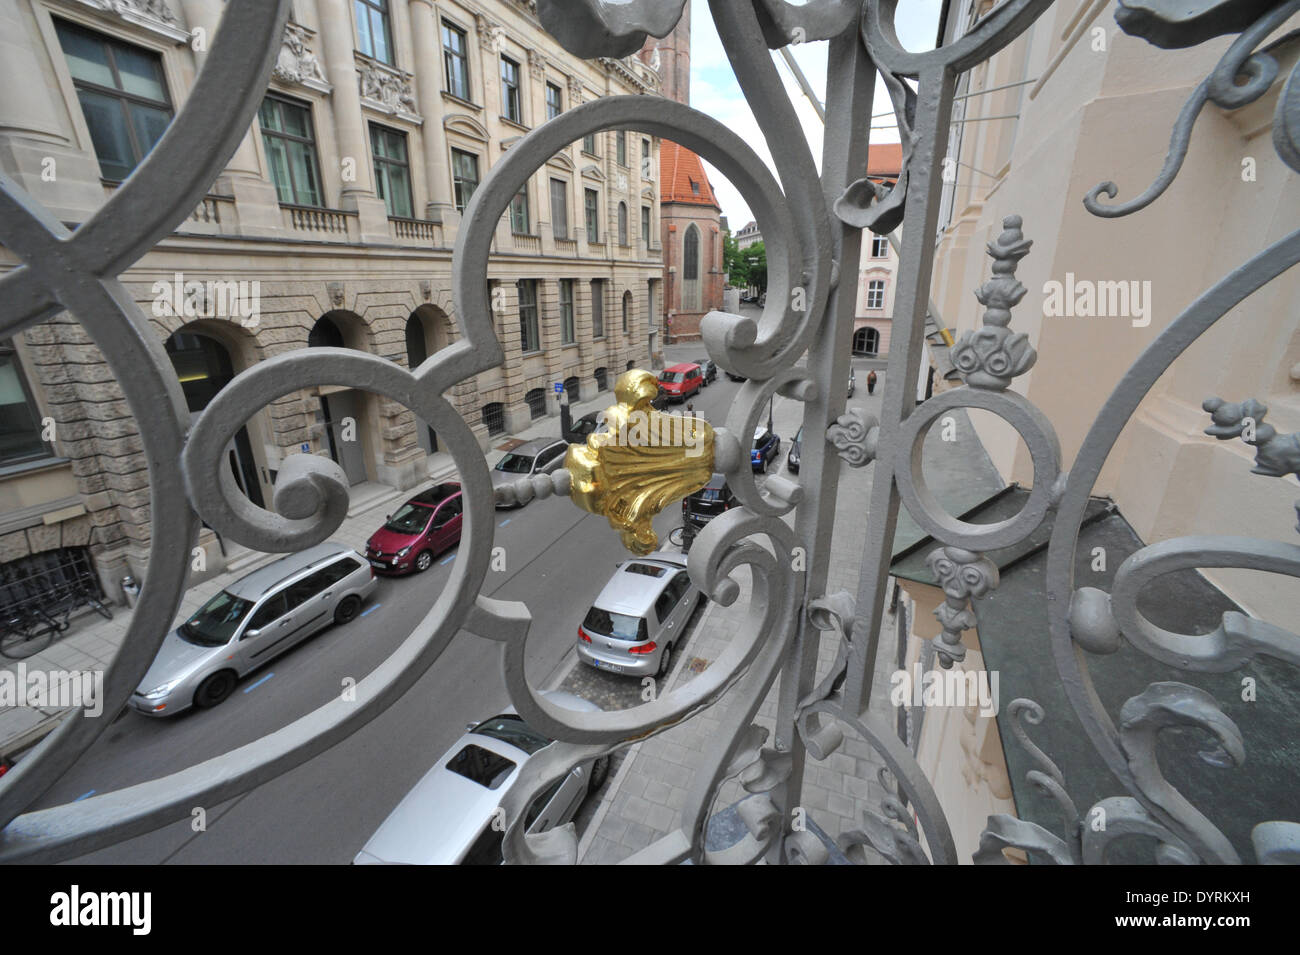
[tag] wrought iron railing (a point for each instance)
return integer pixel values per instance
(812, 225)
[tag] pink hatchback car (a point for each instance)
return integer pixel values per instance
(420, 530)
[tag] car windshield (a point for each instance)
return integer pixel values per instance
(617, 625)
(761, 438)
(671, 377)
(516, 463)
(409, 519)
(216, 621)
(513, 730)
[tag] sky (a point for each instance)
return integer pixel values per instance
(714, 90)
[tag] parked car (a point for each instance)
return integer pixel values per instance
(252, 622)
(588, 424)
(639, 617)
(766, 447)
(539, 456)
(709, 368)
(446, 819)
(681, 381)
(418, 531)
(853, 381)
(708, 502)
(735, 377)
(792, 459)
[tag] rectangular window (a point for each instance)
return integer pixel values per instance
(591, 208)
(554, 101)
(597, 308)
(589, 144)
(645, 226)
(122, 95)
(455, 60)
(374, 37)
(559, 209)
(290, 142)
(529, 341)
(510, 105)
(20, 421)
(519, 223)
(621, 142)
(392, 170)
(879, 246)
(646, 164)
(875, 294)
(464, 177)
(567, 336)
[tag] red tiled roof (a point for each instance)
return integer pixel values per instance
(885, 160)
(678, 168)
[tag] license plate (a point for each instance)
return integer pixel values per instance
(613, 668)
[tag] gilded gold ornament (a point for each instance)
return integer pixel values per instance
(644, 461)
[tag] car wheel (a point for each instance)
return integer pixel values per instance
(215, 689)
(423, 561)
(665, 661)
(599, 773)
(348, 609)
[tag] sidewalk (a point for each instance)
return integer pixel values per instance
(643, 802)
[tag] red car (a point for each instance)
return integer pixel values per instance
(420, 530)
(681, 381)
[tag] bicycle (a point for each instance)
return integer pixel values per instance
(27, 632)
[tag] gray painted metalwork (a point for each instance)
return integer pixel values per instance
(813, 229)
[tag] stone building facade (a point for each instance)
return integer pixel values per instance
(692, 238)
(333, 224)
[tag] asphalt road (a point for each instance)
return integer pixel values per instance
(557, 560)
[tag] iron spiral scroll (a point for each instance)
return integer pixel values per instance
(812, 227)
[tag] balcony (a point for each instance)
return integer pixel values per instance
(566, 247)
(422, 232)
(527, 244)
(324, 225)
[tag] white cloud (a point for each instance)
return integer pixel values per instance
(715, 91)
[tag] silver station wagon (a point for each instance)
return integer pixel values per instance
(447, 818)
(251, 623)
(640, 616)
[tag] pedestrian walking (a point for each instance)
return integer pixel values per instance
(871, 382)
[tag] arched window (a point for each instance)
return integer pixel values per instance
(536, 402)
(571, 388)
(416, 349)
(691, 254)
(866, 341)
(622, 223)
(691, 293)
(627, 312)
(494, 417)
(601, 382)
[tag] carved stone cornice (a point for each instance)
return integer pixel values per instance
(536, 65)
(153, 15)
(296, 63)
(387, 89)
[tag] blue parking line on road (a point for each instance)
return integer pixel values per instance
(372, 609)
(448, 560)
(250, 689)
(84, 796)
(505, 522)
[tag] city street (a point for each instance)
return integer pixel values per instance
(325, 810)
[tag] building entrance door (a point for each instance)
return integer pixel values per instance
(342, 425)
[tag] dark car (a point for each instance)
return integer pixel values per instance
(735, 377)
(792, 459)
(710, 369)
(708, 502)
(766, 447)
(418, 531)
(588, 424)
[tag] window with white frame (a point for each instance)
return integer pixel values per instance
(879, 246)
(876, 294)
